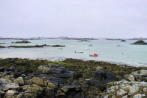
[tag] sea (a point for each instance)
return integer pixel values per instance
(113, 51)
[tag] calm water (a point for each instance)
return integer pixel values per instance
(111, 51)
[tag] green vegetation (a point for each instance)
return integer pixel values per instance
(22, 64)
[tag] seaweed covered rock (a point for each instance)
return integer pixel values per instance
(103, 77)
(55, 70)
(44, 69)
(38, 81)
(22, 78)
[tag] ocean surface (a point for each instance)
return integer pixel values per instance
(113, 51)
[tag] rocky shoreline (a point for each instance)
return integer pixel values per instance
(24, 78)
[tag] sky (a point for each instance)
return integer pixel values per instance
(73, 18)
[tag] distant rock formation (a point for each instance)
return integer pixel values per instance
(140, 42)
(23, 41)
(123, 40)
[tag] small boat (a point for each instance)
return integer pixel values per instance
(79, 52)
(94, 55)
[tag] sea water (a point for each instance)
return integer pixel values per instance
(108, 50)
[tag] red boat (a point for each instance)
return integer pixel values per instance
(94, 55)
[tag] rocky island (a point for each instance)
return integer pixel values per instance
(31, 46)
(2, 46)
(140, 42)
(22, 42)
(72, 78)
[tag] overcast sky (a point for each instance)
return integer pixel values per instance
(77, 18)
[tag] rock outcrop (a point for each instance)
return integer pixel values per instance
(140, 42)
(135, 86)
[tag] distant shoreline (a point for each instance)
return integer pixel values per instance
(68, 38)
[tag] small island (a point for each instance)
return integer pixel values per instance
(23, 42)
(2, 46)
(123, 40)
(29, 46)
(32, 46)
(139, 42)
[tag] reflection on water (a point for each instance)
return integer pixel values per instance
(111, 51)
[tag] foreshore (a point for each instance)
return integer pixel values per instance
(71, 78)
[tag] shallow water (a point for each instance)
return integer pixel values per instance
(108, 50)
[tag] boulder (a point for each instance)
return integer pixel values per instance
(121, 92)
(10, 94)
(103, 77)
(19, 81)
(38, 81)
(4, 81)
(130, 77)
(66, 74)
(145, 89)
(139, 96)
(11, 86)
(44, 69)
(99, 68)
(140, 75)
